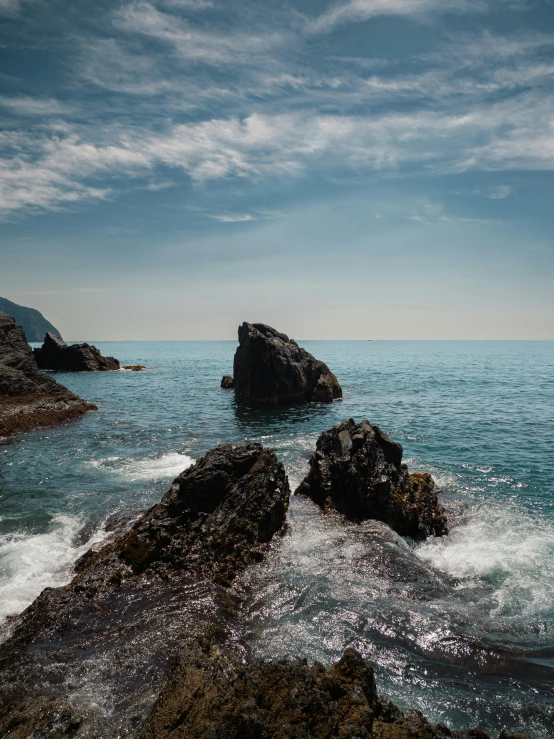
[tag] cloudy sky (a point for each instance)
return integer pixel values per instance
(344, 169)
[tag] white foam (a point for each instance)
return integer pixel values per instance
(149, 468)
(505, 547)
(31, 562)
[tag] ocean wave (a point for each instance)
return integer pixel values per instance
(507, 548)
(31, 562)
(149, 468)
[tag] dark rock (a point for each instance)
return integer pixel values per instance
(508, 735)
(357, 470)
(132, 367)
(271, 369)
(28, 398)
(135, 601)
(56, 355)
(211, 696)
(34, 324)
(227, 382)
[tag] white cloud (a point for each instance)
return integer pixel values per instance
(233, 217)
(194, 43)
(28, 106)
(362, 10)
(50, 172)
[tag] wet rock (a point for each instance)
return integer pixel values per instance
(28, 398)
(358, 471)
(227, 382)
(211, 696)
(133, 603)
(132, 367)
(271, 369)
(56, 355)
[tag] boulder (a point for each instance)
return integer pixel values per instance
(55, 354)
(271, 369)
(28, 398)
(227, 382)
(358, 471)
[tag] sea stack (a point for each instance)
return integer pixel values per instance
(28, 398)
(358, 471)
(56, 355)
(271, 369)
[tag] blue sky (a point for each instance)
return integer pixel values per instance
(349, 169)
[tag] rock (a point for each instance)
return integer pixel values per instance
(120, 623)
(34, 324)
(358, 471)
(227, 382)
(271, 369)
(56, 355)
(28, 398)
(132, 367)
(211, 696)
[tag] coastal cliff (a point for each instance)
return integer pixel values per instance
(31, 320)
(28, 398)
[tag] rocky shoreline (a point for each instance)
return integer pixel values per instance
(153, 614)
(29, 399)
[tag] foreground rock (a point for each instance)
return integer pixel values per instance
(56, 355)
(89, 659)
(211, 696)
(358, 471)
(271, 369)
(28, 398)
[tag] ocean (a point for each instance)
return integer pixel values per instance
(460, 627)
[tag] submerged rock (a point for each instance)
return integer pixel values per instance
(271, 369)
(227, 382)
(56, 355)
(28, 398)
(358, 471)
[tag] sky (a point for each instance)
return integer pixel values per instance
(349, 169)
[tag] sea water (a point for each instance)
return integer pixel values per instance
(460, 627)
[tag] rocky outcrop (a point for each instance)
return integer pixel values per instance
(28, 398)
(227, 382)
(56, 355)
(358, 471)
(271, 369)
(118, 626)
(211, 696)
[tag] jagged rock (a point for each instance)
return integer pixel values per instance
(28, 398)
(211, 696)
(133, 603)
(358, 471)
(227, 382)
(55, 354)
(271, 369)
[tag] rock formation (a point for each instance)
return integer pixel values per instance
(31, 320)
(28, 398)
(134, 602)
(227, 382)
(358, 471)
(55, 354)
(271, 369)
(211, 696)
(149, 625)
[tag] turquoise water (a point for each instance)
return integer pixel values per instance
(461, 627)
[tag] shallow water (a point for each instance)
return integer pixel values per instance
(461, 627)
